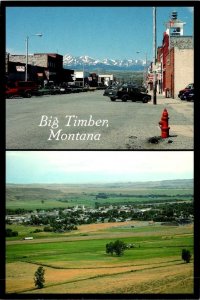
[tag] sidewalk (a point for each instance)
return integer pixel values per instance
(181, 123)
(161, 99)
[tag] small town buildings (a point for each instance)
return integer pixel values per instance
(174, 68)
(81, 78)
(105, 79)
(177, 64)
(42, 67)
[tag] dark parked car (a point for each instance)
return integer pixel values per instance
(110, 89)
(125, 93)
(75, 89)
(64, 89)
(188, 95)
(187, 88)
(47, 90)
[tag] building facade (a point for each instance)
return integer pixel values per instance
(175, 60)
(41, 67)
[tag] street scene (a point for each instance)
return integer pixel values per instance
(141, 100)
(41, 123)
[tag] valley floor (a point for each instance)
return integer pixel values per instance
(80, 265)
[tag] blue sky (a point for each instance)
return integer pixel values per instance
(96, 166)
(100, 32)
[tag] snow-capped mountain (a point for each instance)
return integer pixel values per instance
(77, 62)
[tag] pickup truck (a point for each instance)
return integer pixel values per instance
(23, 89)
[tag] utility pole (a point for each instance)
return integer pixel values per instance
(83, 75)
(26, 70)
(154, 57)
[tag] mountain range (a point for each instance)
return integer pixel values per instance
(89, 63)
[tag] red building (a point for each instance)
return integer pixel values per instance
(174, 58)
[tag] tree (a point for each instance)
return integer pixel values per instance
(186, 255)
(119, 247)
(39, 278)
(116, 247)
(109, 248)
(10, 232)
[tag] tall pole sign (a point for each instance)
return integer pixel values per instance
(154, 57)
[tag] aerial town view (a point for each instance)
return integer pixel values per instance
(77, 226)
(116, 93)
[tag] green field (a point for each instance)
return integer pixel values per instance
(61, 196)
(77, 262)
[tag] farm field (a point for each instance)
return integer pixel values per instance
(57, 196)
(77, 263)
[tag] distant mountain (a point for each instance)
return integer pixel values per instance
(89, 63)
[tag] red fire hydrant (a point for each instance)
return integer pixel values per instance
(164, 124)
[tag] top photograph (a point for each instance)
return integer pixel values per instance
(99, 77)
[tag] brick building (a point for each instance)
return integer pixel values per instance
(177, 63)
(175, 59)
(47, 66)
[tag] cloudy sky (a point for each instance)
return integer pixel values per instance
(97, 166)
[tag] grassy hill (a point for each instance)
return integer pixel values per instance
(44, 196)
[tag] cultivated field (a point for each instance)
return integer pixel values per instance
(77, 263)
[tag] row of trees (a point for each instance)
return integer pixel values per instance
(120, 195)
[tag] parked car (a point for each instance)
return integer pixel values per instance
(143, 89)
(21, 89)
(110, 89)
(188, 95)
(125, 93)
(47, 90)
(64, 89)
(75, 89)
(188, 87)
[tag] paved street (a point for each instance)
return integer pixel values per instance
(66, 120)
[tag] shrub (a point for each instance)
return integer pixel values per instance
(186, 255)
(39, 278)
(10, 233)
(116, 247)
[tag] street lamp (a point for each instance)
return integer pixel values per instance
(27, 39)
(83, 75)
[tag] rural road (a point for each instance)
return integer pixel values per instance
(116, 125)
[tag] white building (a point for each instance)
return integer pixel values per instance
(106, 79)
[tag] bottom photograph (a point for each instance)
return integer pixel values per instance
(99, 222)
